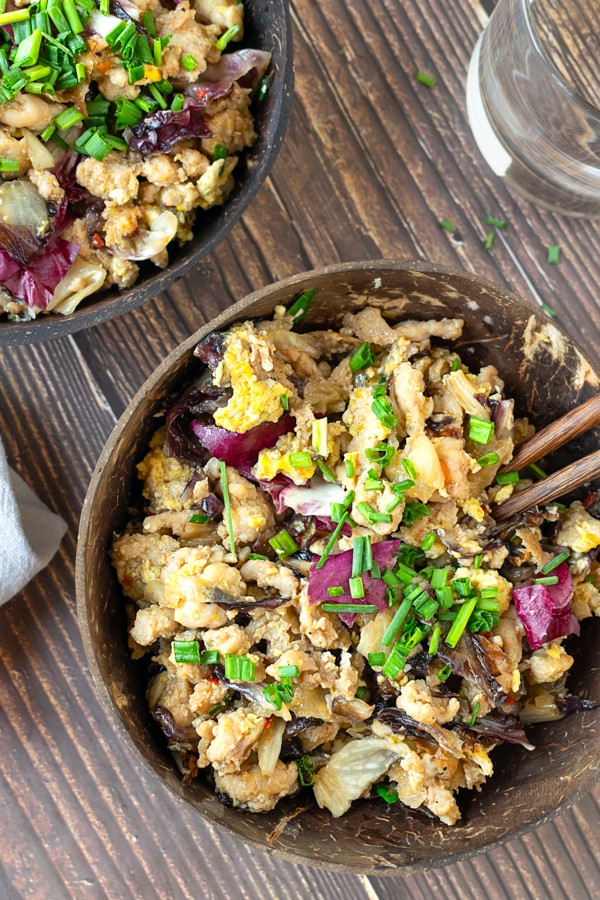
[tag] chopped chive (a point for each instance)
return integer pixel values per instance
(434, 641)
(285, 401)
(349, 466)
(186, 651)
(320, 439)
(299, 308)
(495, 223)
(257, 556)
(455, 365)
(477, 561)
(372, 515)
(18, 15)
(489, 241)
(462, 586)
(489, 593)
(220, 152)
(209, 658)
(550, 579)
(288, 671)
(157, 96)
(397, 622)
(428, 80)
(148, 23)
(366, 608)
(375, 570)
(331, 542)
(373, 484)
(537, 471)
(413, 512)
(28, 50)
(428, 541)
(447, 225)
(376, 659)
(553, 257)
(357, 588)
(227, 503)
(480, 430)
(177, 102)
(239, 668)
(409, 468)
(401, 486)
(549, 311)
(550, 566)
(507, 477)
(9, 165)
(460, 623)
(67, 118)
(197, 519)
(128, 113)
(395, 661)
(490, 459)
(283, 544)
(386, 794)
(336, 591)
(444, 673)
(362, 358)
(439, 578)
(300, 460)
(473, 718)
(157, 51)
(358, 555)
(325, 471)
(263, 88)
(383, 410)
(72, 15)
(47, 132)
(226, 37)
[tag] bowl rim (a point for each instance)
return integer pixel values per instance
(225, 317)
(53, 326)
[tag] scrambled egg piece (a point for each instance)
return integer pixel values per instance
(164, 477)
(472, 508)
(254, 400)
(270, 462)
(579, 530)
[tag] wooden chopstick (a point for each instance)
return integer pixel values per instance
(556, 485)
(555, 435)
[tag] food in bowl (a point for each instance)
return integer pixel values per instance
(317, 580)
(119, 122)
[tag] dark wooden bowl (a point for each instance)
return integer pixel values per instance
(547, 374)
(268, 27)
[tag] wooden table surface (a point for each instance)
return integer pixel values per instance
(372, 161)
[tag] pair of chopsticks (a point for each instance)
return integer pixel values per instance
(555, 435)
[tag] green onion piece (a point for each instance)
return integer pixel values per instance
(95, 146)
(413, 512)
(376, 659)
(375, 570)
(60, 142)
(495, 223)
(9, 165)
(148, 24)
(283, 544)
(489, 593)
(473, 718)
(447, 225)
(284, 397)
(263, 88)
(257, 556)
(157, 96)
(157, 51)
(320, 440)
(337, 511)
(489, 240)
(409, 468)
(331, 542)
(444, 673)
(325, 471)
(209, 658)
(428, 80)
(383, 410)
(438, 578)
(428, 541)
(239, 668)
(386, 794)
(136, 73)
(425, 607)
(72, 15)
(349, 465)
(218, 706)
(67, 118)
(301, 460)
(507, 477)
(18, 15)
(227, 503)
(462, 586)
(177, 104)
(460, 623)
(336, 591)
(288, 671)
(434, 641)
(272, 695)
(391, 579)
(490, 459)
(37, 73)
(477, 561)
(397, 622)
(549, 311)
(128, 113)
(480, 430)
(227, 36)
(395, 661)
(357, 589)
(361, 691)
(299, 308)
(373, 484)
(537, 471)
(220, 152)
(455, 365)
(362, 358)
(358, 555)
(55, 13)
(188, 62)
(549, 579)
(197, 519)
(405, 573)
(553, 254)
(372, 515)
(28, 50)
(186, 651)
(444, 596)
(550, 566)
(80, 72)
(366, 608)
(306, 771)
(47, 132)
(401, 486)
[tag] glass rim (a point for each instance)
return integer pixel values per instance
(556, 74)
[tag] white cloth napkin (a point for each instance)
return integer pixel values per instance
(29, 532)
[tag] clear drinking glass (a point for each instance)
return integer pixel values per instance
(533, 100)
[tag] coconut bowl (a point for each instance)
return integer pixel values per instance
(547, 375)
(267, 27)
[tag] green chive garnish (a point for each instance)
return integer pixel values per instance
(366, 608)
(376, 659)
(227, 36)
(197, 519)
(186, 651)
(550, 566)
(495, 223)
(447, 225)
(362, 358)
(285, 401)
(480, 430)
(336, 591)
(300, 460)
(189, 62)
(397, 622)
(349, 466)
(283, 544)
(288, 671)
(507, 477)
(434, 641)
(386, 794)
(537, 471)
(428, 80)
(549, 311)
(553, 255)
(227, 504)
(550, 579)
(9, 165)
(325, 471)
(299, 308)
(460, 623)
(331, 542)
(239, 668)
(473, 718)
(455, 365)
(384, 412)
(428, 541)
(263, 88)
(489, 241)
(209, 658)
(444, 673)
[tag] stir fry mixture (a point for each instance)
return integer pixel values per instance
(119, 120)
(317, 577)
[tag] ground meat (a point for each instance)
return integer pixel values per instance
(206, 695)
(233, 739)
(549, 664)
(111, 178)
(139, 559)
(417, 700)
(268, 574)
(152, 623)
(257, 792)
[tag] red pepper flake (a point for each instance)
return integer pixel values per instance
(268, 722)
(97, 241)
(201, 93)
(213, 680)
(510, 699)
(485, 509)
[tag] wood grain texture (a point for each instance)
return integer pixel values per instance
(371, 163)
